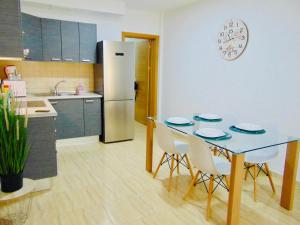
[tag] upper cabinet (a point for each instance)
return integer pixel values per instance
(10, 29)
(88, 42)
(70, 41)
(32, 37)
(51, 40)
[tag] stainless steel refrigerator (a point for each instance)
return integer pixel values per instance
(114, 79)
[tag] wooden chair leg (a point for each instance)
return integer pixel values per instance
(270, 177)
(210, 190)
(215, 150)
(227, 181)
(191, 184)
(159, 165)
(254, 182)
(246, 171)
(177, 159)
(189, 165)
(228, 156)
(171, 172)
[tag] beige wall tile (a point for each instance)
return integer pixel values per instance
(42, 76)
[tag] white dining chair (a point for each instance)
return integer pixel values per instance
(213, 168)
(174, 151)
(258, 162)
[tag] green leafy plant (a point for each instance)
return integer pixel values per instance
(14, 149)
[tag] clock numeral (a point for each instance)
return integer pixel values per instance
(241, 30)
(225, 27)
(235, 52)
(230, 31)
(220, 48)
(231, 24)
(229, 54)
(224, 52)
(219, 41)
(237, 24)
(240, 45)
(243, 37)
(222, 34)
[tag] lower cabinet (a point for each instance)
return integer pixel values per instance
(42, 160)
(77, 117)
(92, 116)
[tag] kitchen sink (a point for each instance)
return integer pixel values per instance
(65, 94)
(32, 104)
(52, 94)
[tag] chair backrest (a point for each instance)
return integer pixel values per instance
(164, 137)
(201, 156)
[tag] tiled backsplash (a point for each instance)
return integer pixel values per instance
(41, 77)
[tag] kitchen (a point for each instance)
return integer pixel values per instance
(70, 66)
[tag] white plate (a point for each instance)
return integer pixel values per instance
(210, 132)
(178, 120)
(209, 116)
(249, 127)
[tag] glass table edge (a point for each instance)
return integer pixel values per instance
(233, 152)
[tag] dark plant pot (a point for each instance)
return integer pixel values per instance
(11, 183)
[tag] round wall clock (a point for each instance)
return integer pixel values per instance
(232, 39)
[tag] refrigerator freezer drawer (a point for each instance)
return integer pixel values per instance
(118, 120)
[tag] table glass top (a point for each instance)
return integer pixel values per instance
(239, 142)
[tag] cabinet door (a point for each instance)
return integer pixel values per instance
(32, 37)
(70, 41)
(92, 116)
(42, 161)
(10, 29)
(51, 40)
(69, 121)
(88, 42)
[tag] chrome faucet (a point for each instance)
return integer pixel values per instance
(56, 86)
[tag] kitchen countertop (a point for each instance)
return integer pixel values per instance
(70, 96)
(37, 103)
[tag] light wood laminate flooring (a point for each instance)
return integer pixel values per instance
(107, 184)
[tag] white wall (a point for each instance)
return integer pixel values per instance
(109, 26)
(262, 86)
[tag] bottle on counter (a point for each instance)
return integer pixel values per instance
(79, 89)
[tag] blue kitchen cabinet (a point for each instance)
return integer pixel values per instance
(70, 41)
(92, 116)
(32, 37)
(88, 42)
(51, 40)
(10, 29)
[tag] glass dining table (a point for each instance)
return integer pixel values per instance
(238, 144)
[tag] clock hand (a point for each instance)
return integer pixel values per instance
(228, 40)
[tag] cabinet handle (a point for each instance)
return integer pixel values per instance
(86, 60)
(68, 60)
(53, 103)
(55, 59)
(89, 101)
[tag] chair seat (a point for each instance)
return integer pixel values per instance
(222, 165)
(181, 147)
(260, 156)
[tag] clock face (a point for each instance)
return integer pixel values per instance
(232, 39)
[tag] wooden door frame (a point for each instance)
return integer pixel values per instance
(153, 86)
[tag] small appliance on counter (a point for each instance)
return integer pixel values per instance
(11, 72)
(18, 87)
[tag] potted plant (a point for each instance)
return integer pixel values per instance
(14, 149)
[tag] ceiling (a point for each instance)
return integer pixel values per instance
(156, 5)
(115, 6)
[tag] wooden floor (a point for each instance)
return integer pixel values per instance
(102, 184)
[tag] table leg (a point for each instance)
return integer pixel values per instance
(149, 145)
(235, 191)
(289, 176)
